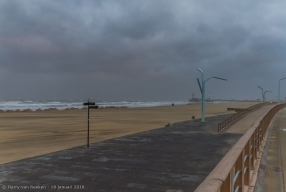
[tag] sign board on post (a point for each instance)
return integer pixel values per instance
(88, 104)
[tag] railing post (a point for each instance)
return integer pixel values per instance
(247, 162)
(239, 168)
(265, 129)
(226, 184)
(232, 174)
(258, 141)
(252, 151)
(259, 137)
(255, 144)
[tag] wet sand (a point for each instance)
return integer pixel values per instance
(28, 134)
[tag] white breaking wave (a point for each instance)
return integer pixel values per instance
(61, 105)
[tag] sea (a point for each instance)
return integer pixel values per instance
(65, 104)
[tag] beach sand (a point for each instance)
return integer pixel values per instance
(28, 134)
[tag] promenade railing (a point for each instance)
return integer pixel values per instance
(237, 171)
(235, 117)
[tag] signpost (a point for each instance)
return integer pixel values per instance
(89, 105)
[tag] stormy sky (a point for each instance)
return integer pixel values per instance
(141, 49)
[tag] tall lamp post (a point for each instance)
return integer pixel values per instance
(279, 90)
(266, 92)
(262, 93)
(203, 92)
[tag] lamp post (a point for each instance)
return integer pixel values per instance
(279, 90)
(266, 92)
(262, 93)
(203, 91)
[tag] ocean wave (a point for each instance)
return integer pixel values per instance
(61, 105)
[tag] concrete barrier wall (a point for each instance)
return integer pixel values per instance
(237, 171)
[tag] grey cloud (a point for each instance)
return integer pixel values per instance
(145, 48)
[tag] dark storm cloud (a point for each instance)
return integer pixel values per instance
(140, 49)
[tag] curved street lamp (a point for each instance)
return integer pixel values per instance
(262, 93)
(266, 92)
(279, 90)
(203, 92)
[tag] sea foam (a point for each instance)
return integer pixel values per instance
(61, 105)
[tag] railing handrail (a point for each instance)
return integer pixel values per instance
(225, 123)
(241, 157)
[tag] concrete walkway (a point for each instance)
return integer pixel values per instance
(281, 127)
(170, 159)
(245, 123)
(271, 175)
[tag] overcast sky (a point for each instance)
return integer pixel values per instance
(141, 49)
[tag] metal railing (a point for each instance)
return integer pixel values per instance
(237, 171)
(233, 118)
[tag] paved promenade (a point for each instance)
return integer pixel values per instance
(175, 158)
(271, 175)
(245, 123)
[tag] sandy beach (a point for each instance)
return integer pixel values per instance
(28, 134)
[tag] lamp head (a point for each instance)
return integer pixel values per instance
(220, 78)
(200, 70)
